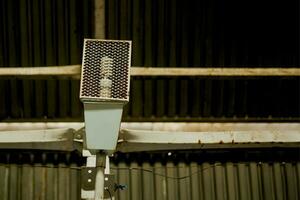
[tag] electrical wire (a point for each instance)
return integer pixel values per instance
(141, 169)
(109, 193)
(168, 177)
(144, 170)
(43, 166)
(128, 168)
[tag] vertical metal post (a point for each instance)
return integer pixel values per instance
(99, 182)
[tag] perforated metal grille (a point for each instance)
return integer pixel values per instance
(105, 70)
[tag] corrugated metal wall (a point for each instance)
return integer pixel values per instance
(210, 181)
(160, 99)
(214, 33)
(164, 33)
(207, 33)
(42, 33)
(209, 99)
(215, 174)
(39, 176)
(56, 176)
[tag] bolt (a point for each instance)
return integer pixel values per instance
(78, 136)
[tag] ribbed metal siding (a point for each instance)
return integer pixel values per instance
(42, 33)
(165, 99)
(215, 174)
(196, 99)
(164, 33)
(56, 176)
(37, 176)
(208, 34)
(249, 180)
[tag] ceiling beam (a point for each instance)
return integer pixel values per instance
(74, 71)
(160, 126)
(130, 140)
(137, 140)
(99, 19)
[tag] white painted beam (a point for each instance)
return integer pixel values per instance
(158, 136)
(22, 126)
(159, 126)
(49, 139)
(209, 126)
(137, 140)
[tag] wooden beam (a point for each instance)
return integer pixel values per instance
(74, 71)
(143, 71)
(70, 70)
(99, 18)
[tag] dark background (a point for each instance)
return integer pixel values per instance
(215, 33)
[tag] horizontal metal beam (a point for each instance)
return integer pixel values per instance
(159, 126)
(154, 136)
(23, 126)
(48, 139)
(209, 126)
(74, 71)
(137, 140)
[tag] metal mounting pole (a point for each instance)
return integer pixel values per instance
(99, 182)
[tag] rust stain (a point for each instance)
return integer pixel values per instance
(221, 142)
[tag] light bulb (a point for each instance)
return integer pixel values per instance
(106, 69)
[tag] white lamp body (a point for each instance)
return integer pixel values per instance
(104, 90)
(102, 124)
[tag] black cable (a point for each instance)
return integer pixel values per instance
(136, 168)
(165, 176)
(130, 168)
(43, 166)
(109, 193)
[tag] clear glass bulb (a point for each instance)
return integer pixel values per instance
(106, 69)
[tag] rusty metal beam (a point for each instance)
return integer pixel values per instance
(160, 126)
(156, 136)
(47, 139)
(137, 140)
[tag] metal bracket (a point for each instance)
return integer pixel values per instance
(109, 185)
(95, 178)
(88, 176)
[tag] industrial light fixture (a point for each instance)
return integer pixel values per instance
(104, 90)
